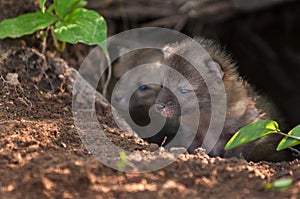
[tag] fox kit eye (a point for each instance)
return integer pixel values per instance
(167, 51)
(185, 91)
(143, 87)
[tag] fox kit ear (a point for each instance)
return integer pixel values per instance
(216, 68)
(167, 51)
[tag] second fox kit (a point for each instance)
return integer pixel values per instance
(144, 95)
(242, 104)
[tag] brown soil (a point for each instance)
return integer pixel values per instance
(42, 156)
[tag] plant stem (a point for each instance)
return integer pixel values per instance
(104, 90)
(55, 41)
(290, 136)
(44, 42)
(63, 46)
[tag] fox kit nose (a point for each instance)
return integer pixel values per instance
(160, 105)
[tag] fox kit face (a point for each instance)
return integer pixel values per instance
(135, 88)
(187, 93)
(136, 73)
(139, 78)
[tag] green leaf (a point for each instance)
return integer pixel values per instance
(50, 9)
(81, 4)
(281, 184)
(25, 24)
(82, 25)
(123, 157)
(42, 5)
(287, 142)
(252, 132)
(63, 7)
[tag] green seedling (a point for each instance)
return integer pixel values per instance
(281, 185)
(262, 128)
(67, 20)
(121, 164)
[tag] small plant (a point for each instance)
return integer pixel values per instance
(67, 20)
(121, 164)
(281, 185)
(262, 128)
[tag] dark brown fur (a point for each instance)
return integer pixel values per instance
(242, 101)
(141, 100)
